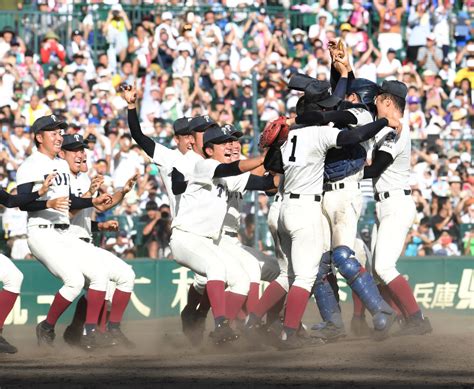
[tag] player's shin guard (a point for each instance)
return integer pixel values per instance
(363, 284)
(324, 295)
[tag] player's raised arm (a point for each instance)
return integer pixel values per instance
(129, 93)
(118, 196)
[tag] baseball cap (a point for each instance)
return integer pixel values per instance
(319, 92)
(413, 100)
(300, 81)
(346, 27)
(431, 37)
(73, 142)
(396, 88)
(201, 123)
(392, 51)
(217, 135)
(76, 33)
(167, 16)
(232, 130)
(48, 123)
(181, 126)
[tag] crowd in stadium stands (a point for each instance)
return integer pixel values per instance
(192, 63)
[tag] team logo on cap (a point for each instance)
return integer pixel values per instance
(227, 129)
(53, 117)
(207, 118)
(76, 137)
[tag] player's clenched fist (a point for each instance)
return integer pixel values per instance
(96, 183)
(130, 184)
(103, 199)
(109, 225)
(129, 93)
(46, 184)
(395, 124)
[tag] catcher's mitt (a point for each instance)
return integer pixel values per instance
(275, 132)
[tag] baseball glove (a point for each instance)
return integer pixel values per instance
(275, 132)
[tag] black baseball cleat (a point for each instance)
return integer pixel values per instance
(415, 326)
(188, 319)
(118, 338)
(328, 332)
(72, 335)
(294, 342)
(89, 341)
(223, 333)
(6, 348)
(359, 326)
(199, 328)
(45, 334)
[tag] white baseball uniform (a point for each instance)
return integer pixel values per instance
(396, 209)
(10, 276)
(342, 205)
(63, 254)
(300, 221)
(167, 159)
(197, 227)
(257, 265)
(120, 272)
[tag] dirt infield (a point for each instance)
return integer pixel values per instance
(163, 358)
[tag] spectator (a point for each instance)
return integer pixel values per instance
(430, 57)
(157, 230)
(390, 36)
(116, 30)
(445, 246)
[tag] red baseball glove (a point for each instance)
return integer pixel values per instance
(275, 132)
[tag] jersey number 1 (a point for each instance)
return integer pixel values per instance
(293, 149)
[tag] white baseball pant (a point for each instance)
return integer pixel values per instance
(257, 265)
(206, 258)
(285, 272)
(300, 228)
(68, 258)
(10, 276)
(395, 216)
(342, 208)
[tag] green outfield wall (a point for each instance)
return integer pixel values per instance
(161, 287)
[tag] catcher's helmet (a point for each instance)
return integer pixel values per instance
(365, 89)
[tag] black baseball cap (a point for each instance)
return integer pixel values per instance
(396, 88)
(319, 92)
(73, 142)
(76, 33)
(201, 123)
(300, 81)
(216, 135)
(232, 130)
(48, 123)
(181, 126)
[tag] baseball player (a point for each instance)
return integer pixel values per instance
(197, 226)
(180, 162)
(303, 156)
(342, 202)
(390, 170)
(82, 226)
(64, 255)
(10, 276)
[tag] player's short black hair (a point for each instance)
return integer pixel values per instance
(397, 101)
(205, 146)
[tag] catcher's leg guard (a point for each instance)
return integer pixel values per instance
(363, 284)
(324, 294)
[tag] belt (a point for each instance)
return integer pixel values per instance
(330, 186)
(278, 198)
(317, 198)
(87, 240)
(55, 226)
(385, 195)
(231, 234)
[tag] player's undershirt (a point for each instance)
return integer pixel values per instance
(81, 222)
